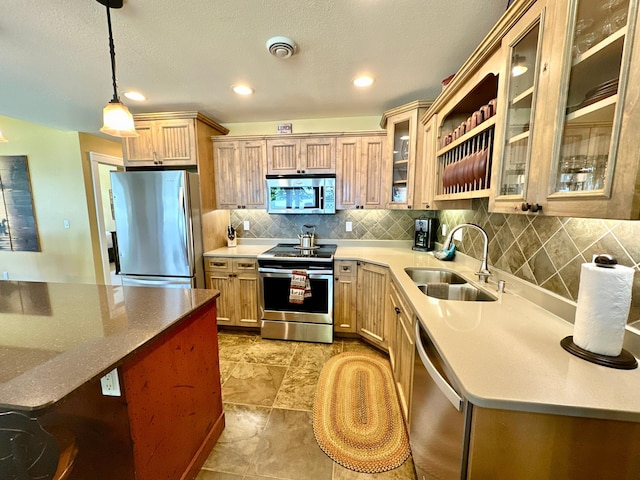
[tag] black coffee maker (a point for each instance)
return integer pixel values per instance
(425, 234)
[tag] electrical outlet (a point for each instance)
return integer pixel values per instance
(247, 225)
(110, 384)
(349, 226)
(458, 235)
(444, 229)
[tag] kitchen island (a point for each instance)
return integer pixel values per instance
(58, 340)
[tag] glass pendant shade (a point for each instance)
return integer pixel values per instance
(118, 121)
(2, 139)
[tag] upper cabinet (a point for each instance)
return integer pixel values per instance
(404, 149)
(306, 154)
(240, 169)
(169, 139)
(360, 161)
(521, 117)
(592, 139)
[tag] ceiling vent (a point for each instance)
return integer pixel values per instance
(281, 47)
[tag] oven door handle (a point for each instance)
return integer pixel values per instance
(312, 273)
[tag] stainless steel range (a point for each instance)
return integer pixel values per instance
(285, 316)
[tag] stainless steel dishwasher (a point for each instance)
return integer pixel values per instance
(440, 417)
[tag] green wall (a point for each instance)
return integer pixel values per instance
(55, 161)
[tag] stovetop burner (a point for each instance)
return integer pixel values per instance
(294, 251)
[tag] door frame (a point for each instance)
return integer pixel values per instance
(95, 159)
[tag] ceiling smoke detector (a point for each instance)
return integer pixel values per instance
(281, 47)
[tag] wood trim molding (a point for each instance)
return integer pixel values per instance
(177, 115)
(359, 133)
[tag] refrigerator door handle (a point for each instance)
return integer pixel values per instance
(187, 235)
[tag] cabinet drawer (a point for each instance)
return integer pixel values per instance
(346, 267)
(218, 264)
(400, 302)
(244, 264)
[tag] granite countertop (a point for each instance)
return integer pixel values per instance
(55, 337)
(505, 354)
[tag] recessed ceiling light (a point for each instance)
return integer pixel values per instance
(363, 81)
(242, 89)
(137, 96)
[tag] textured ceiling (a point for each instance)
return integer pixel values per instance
(186, 55)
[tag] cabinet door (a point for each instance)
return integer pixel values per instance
(175, 142)
(318, 155)
(372, 294)
(517, 99)
(226, 157)
(345, 295)
(348, 164)
(222, 282)
(595, 127)
(140, 150)
(402, 134)
(252, 171)
(425, 169)
(404, 364)
(371, 172)
(246, 303)
(283, 156)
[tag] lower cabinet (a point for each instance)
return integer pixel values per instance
(372, 293)
(237, 281)
(401, 320)
(345, 296)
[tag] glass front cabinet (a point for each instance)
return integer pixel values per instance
(405, 147)
(569, 141)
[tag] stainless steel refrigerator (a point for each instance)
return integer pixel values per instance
(158, 226)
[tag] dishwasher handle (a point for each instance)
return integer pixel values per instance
(447, 390)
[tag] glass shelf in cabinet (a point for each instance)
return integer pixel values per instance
(598, 112)
(600, 46)
(523, 100)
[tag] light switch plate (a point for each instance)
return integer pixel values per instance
(247, 225)
(349, 226)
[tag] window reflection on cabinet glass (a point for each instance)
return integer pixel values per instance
(589, 123)
(523, 73)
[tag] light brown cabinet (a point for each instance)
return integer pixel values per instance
(345, 296)
(170, 139)
(301, 154)
(240, 169)
(237, 281)
(401, 320)
(405, 147)
(360, 166)
(372, 294)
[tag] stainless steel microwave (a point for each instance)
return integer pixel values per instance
(314, 193)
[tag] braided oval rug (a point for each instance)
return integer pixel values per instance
(357, 420)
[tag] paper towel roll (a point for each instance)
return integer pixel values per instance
(604, 298)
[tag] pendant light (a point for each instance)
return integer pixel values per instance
(2, 139)
(117, 120)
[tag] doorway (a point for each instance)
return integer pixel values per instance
(101, 166)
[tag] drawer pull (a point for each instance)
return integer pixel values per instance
(219, 264)
(246, 265)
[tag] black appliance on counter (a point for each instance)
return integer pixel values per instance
(311, 320)
(425, 234)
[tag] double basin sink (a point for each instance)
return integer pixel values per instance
(446, 285)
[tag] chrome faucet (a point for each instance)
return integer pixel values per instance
(483, 273)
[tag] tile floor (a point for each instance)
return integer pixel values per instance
(268, 388)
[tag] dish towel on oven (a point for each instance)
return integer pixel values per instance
(300, 287)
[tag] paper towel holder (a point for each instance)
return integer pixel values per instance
(624, 361)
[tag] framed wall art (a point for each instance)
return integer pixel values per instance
(18, 229)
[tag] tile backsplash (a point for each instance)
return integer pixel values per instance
(548, 251)
(366, 224)
(545, 251)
